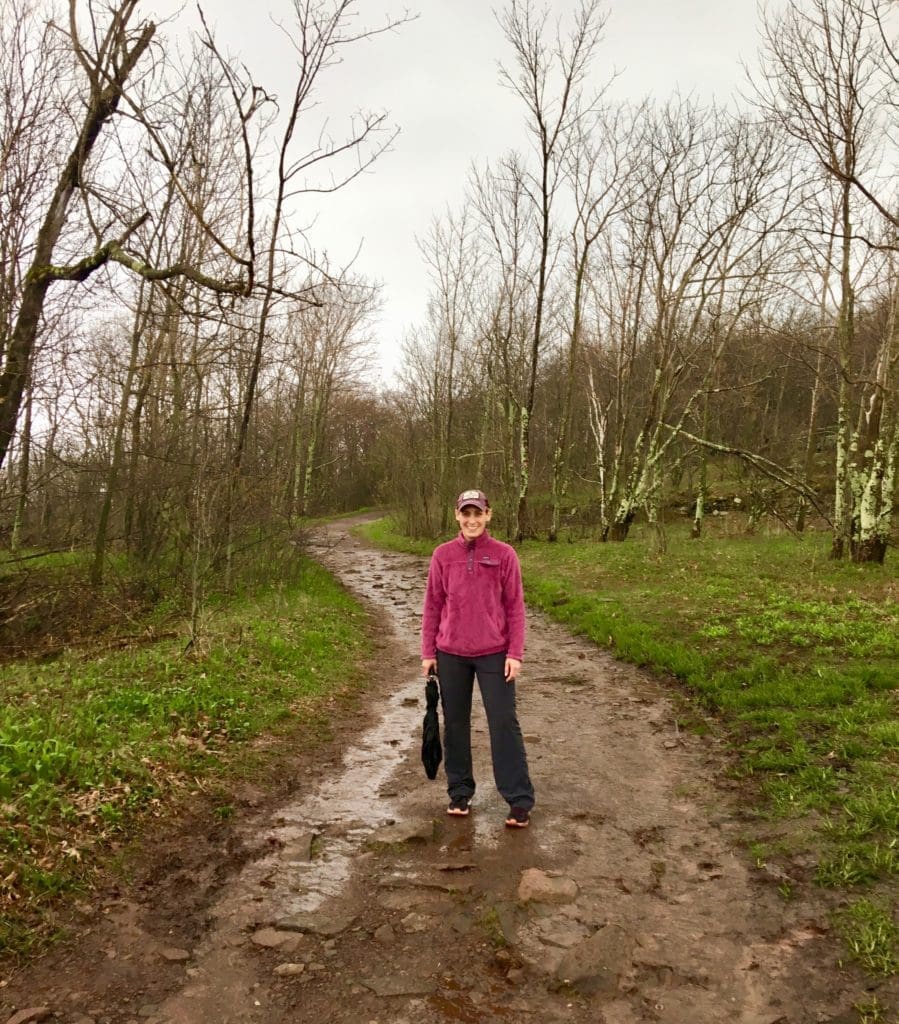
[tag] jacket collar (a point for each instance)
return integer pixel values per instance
(477, 543)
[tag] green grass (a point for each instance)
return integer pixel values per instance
(870, 932)
(92, 744)
(796, 655)
(385, 534)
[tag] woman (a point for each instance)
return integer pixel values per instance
(473, 625)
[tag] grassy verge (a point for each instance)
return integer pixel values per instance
(90, 745)
(798, 656)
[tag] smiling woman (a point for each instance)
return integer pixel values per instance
(473, 625)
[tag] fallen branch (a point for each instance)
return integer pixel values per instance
(770, 469)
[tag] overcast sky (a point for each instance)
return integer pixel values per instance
(437, 78)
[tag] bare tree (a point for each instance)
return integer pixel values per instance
(549, 76)
(675, 289)
(598, 167)
(106, 65)
(450, 251)
(822, 82)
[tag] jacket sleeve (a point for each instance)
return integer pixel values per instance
(435, 596)
(513, 604)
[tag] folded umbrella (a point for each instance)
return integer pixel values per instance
(431, 750)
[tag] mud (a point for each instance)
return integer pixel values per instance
(357, 900)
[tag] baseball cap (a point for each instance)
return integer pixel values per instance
(476, 498)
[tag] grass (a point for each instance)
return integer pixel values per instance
(91, 745)
(868, 928)
(796, 655)
(493, 929)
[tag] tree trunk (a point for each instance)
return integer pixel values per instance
(702, 489)
(620, 527)
(872, 550)
(112, 476)
(24, 477)
(561, 454)
(842, 509)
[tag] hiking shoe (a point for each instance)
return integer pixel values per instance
(518, 817)
(459, 806)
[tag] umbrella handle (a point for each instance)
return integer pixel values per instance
(433, 678)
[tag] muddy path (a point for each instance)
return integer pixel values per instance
(630, 899)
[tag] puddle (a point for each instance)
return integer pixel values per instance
(339, 807)
(349, 806)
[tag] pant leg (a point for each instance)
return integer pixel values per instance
(456, 685)
(510, 765)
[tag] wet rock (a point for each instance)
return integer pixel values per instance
(397, 881)
(404, 833)
(416, 923)
(595, 965)
(460, 923)
(404, 899)
(299, 851)
(174, 955)
(562, 932)
(318, 922)
(504, 957)
(30, 1015)
(537, 886)
(270, 938)
(399, 985)
(289, 970)
(510, 917)
(776, 874)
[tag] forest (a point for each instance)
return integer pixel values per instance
(650, 299)
(663, 336)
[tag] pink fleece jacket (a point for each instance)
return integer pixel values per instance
(474, 603)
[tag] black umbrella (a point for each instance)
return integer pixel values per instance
(431, 750)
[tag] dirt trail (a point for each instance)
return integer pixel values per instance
(360, 902)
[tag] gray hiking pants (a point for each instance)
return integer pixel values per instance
(510, 765)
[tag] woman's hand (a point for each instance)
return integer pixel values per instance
(513, 667)
(428, 665)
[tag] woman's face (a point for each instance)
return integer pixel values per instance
(472, 521)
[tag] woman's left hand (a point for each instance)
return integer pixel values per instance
(513, 667)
